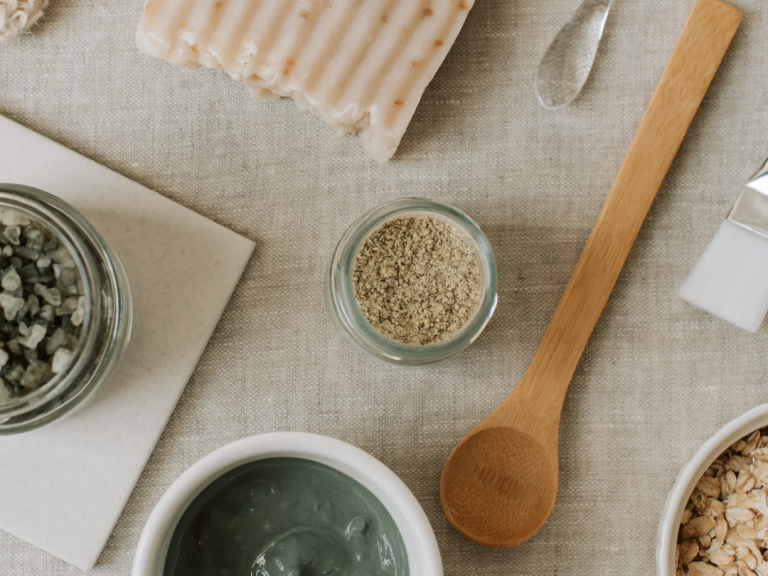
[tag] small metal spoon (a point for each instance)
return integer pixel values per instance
(565, 67)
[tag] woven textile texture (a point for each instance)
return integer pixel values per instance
(658, 376)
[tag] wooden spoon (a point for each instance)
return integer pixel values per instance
(500, 482)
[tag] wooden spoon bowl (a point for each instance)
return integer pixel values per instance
(498, 486)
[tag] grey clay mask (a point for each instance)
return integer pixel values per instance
(286, 517)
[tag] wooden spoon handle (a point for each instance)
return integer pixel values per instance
(694, 61)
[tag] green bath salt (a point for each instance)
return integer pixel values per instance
(286, 517)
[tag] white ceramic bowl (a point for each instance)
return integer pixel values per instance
(419, 539)
(689, 476)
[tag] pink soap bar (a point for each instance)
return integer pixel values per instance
(360, 65)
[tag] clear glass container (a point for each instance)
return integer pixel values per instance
(346, 313)
(106, 326)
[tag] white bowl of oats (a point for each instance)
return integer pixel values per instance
(715, 520)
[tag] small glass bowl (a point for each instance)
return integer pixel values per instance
(108, 314)
(346, 313)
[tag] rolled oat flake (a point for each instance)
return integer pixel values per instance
(417, 280)
(724, 527)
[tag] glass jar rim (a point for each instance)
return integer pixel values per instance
(350, 315)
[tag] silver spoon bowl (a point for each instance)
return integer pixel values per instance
(566, 64)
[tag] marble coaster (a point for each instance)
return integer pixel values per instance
(63, 487)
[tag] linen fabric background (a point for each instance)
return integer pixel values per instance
(658, 377)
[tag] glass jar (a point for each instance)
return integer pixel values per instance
(106, 326)
(346, 313)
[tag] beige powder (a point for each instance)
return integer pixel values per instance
(416, 280)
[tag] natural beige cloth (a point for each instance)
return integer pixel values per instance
(658, 376)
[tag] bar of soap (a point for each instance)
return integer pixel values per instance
(360, 65)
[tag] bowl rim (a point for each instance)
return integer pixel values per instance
(418, 535)
(689, 476)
